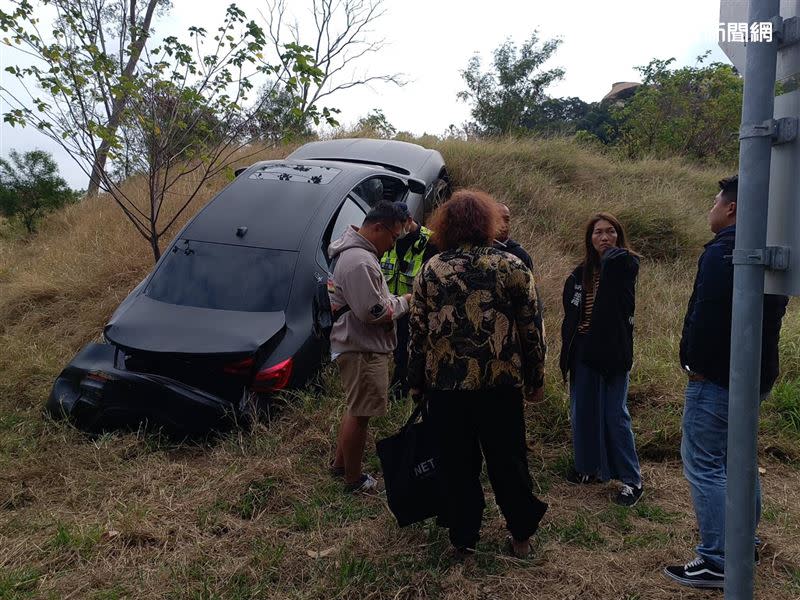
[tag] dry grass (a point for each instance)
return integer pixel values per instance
(135, 516)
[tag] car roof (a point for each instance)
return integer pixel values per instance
(402, 157)
(276, 211)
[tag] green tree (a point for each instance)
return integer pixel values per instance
(30, 186)
(186, 116)
(376, 124)
(279, 118)
(84, 67)
(510, 96)
(692, 111)
(601, 123)
(557, 116)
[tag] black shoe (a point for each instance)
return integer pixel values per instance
(629, 495)
(697, 574)
(580, 478)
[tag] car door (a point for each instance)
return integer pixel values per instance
(351, 212)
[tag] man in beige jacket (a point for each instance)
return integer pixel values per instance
(363, 337)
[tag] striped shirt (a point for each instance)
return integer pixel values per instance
(588, 304)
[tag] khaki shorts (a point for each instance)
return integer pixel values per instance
(365, 377)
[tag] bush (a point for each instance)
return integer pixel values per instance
(30, 186)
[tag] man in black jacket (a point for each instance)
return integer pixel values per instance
(705, 355)
(505, 243)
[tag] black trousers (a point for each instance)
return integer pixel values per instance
(475, 424)
(401, 355)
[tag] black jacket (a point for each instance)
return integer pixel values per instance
(609, 341)
(706, 339)
(514, 247)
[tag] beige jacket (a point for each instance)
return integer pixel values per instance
(359, 283)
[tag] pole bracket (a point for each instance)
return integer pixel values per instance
(786, 30)
(774, 258)
(781, 130)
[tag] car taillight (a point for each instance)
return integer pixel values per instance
(242, 367)
(273, 378)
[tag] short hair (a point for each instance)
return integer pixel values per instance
(468, 217)
(729, 187)
(387, 213)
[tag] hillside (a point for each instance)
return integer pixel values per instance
(255, 514)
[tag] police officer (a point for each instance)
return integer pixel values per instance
(400, 265)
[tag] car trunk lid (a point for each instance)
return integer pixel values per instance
(152, 326)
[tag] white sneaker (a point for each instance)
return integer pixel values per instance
(366, 484)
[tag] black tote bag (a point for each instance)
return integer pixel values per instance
(408, 461)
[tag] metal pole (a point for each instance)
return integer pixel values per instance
(748, 306)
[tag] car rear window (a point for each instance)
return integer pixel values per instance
(296, 173)
(224, 277)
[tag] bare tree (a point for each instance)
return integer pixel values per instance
(340, 38)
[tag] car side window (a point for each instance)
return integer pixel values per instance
(350, 213)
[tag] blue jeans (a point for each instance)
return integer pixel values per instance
(602, 437)
(704, 450)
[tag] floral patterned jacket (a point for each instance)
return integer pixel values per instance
(475, 323)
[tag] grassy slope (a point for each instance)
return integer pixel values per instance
(135, 516)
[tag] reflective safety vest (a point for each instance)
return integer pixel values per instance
(401, 281)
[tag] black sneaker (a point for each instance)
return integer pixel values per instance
(580, 478)
(629, 495)
(697, 574)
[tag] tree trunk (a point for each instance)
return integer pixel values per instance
(99, 163)
(154, 246)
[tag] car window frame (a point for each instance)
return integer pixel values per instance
(322, 253)
(325, 238)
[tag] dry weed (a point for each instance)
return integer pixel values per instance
(255, 515)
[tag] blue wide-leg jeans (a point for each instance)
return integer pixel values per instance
(602, 436)
(704, 450)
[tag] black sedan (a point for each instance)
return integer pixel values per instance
(225, 318)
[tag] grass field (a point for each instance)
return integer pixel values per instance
(255, 515)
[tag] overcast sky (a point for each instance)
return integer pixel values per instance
(430, 41)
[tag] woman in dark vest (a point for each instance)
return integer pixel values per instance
(597, 352)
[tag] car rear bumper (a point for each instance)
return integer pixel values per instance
(96, 395)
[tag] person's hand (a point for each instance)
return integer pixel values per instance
(537, 396)
(613, 252)
(416, 395)
(407, 297)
